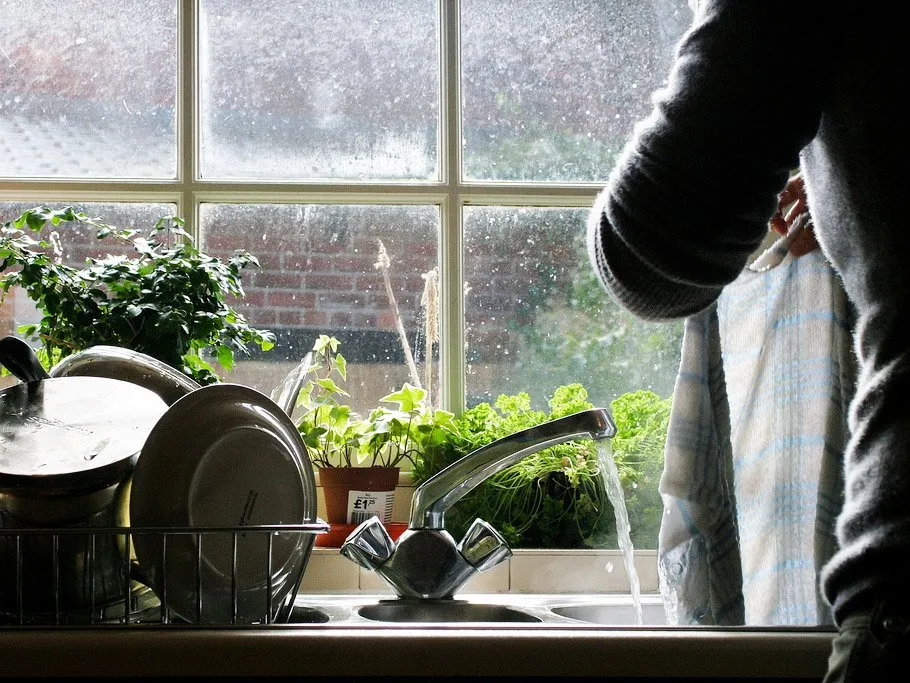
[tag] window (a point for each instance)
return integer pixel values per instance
(468, 138)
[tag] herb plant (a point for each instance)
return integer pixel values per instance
(168, 300)
(401, 431)
(555, 498)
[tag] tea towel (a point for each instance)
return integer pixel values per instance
(699, 565)
(784, 364)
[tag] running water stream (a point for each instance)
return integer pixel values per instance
(614, 493)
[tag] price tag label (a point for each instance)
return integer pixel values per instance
(365, 504)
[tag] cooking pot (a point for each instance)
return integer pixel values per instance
(114, 362)
(68, 447)
(131, 366)
(21, 360)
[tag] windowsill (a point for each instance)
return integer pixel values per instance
(526, 571)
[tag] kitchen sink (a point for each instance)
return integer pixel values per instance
(301, 614)
(488, 609)
(377, 632)
(506, 609)
(443, 611)
(611, 614)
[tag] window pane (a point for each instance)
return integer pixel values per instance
(88, 89)
(309, 89)
(318, 275)
(551, 89)
(536, 318)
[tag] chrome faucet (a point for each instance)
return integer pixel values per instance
(426, 562)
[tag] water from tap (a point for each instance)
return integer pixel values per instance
(614, 492)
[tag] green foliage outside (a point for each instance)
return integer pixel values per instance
(556, 498)
(168, 300)
(564, 327)
(582, 332)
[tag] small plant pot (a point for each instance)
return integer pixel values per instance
(354, 494)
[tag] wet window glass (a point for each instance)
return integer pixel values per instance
(412, 177)
(314, 90)
(88, 89)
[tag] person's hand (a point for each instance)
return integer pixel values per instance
(793, 214)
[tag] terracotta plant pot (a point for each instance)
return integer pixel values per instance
(354, 494)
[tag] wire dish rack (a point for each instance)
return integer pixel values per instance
(176, 576)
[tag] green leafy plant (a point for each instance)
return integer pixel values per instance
(556, 498)
(400, 431)
(168, 300)
(642, 418)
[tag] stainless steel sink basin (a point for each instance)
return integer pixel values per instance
(489, 610)
(611, 614)
(301, 614)
(446, 611)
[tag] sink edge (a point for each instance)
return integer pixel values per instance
(512, 610)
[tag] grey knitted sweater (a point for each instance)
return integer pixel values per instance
(757, 88)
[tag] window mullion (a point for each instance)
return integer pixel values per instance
(451, 272)
(188, 114)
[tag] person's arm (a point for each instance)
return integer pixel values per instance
(693, 191)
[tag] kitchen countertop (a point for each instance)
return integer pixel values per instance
(361, 648)
(391, 651)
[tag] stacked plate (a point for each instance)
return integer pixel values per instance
(222, 457)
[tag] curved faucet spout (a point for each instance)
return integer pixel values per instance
(438, 493)
(426, 563)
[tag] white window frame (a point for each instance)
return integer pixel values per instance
(449, 194)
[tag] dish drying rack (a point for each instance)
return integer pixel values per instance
(36, 588)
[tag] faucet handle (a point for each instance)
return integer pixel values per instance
(483, 547)
(369, 545)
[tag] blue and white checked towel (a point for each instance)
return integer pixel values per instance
(752, 482)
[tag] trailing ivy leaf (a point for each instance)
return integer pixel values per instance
(329, 385)
(407, 398)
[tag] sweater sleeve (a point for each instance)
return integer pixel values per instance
(693, 190)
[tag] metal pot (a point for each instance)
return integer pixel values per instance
(131, 366)
(68, 447)
(21, 360)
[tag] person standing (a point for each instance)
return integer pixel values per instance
(757, 88)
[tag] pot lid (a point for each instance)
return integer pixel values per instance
(72, 434)
(131, 366)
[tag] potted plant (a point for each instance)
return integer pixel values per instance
(168, 300)
(358, 458)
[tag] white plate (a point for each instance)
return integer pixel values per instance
(223, 456)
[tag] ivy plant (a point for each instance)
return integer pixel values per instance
(403, 429)
(157, 294)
